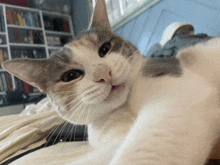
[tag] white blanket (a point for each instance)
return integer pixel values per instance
(28, 130)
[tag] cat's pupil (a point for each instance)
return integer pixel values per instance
(104, 49)
(71, 75)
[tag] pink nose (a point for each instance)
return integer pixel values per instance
(102, 73)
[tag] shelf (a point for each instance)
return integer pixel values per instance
(24, 27)
(38, 47)
(54, 14)
(3, 46)
(3, 70)
(34, 94)
(58, 33)
(55, 47)
(28, 45)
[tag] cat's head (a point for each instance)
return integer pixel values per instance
(90, 77)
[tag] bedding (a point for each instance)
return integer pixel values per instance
(28, 130)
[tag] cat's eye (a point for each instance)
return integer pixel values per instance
(71, 75)
(104, 49)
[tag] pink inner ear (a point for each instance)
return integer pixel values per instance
(41, 86)
(44, 86)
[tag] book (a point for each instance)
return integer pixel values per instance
(4, 82)
(5, 54)
(1, 85)
(38, 37)
(40, 53)
(2, 23)
(30, 37)
(16, 54)
(36, 20)
(66, 27)
(48, 23)
(15, 17)
(17, 36)
(26, 17)
(2, 40)
(9, 17)
(23, 18)
(24, 35)
(58, 24)
(26, 87)
(11, 34)
(30, 19)
(8, 81)
(20, 20)
(19, 84)
(1, 57)
(53, 41)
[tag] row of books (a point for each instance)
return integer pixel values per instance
(25, 36)
(53, 41)
(22, 18)
(3, 56)
(5, 82)
(33, 53)
(56, 24)
(2, 23)
(23, 86)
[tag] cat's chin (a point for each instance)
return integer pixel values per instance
(116, 98)
(115, 93)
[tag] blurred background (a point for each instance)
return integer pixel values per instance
(56, 22)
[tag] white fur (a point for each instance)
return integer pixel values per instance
(166, 120)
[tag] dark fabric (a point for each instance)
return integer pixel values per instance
(25, 153)
(63, 133)
(175, 44)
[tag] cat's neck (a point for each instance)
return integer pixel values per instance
(111, 128)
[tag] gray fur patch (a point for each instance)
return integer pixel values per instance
(158, 67)
(62, 56)
(118, 44)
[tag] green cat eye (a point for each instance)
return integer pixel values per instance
(104, 49)
(71, 75)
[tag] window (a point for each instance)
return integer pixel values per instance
(122, 11)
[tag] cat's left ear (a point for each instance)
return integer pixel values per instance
(100, 17)
(32, 71)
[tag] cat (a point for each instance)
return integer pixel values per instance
(138, 110)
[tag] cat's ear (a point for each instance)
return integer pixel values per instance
(31, 71)
(100, 17)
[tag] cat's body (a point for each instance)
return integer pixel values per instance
(138, 111)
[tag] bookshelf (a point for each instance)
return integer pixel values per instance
(32, 33)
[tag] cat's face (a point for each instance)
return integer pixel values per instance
(90, 77)
(95, 78)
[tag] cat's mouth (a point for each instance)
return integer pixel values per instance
(114, 90)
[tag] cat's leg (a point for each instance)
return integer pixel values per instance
(165, 137)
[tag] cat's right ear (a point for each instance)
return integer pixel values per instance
(32, 71)
(100, 17)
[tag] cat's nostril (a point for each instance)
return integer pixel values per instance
(103, 73)
(102, 80)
